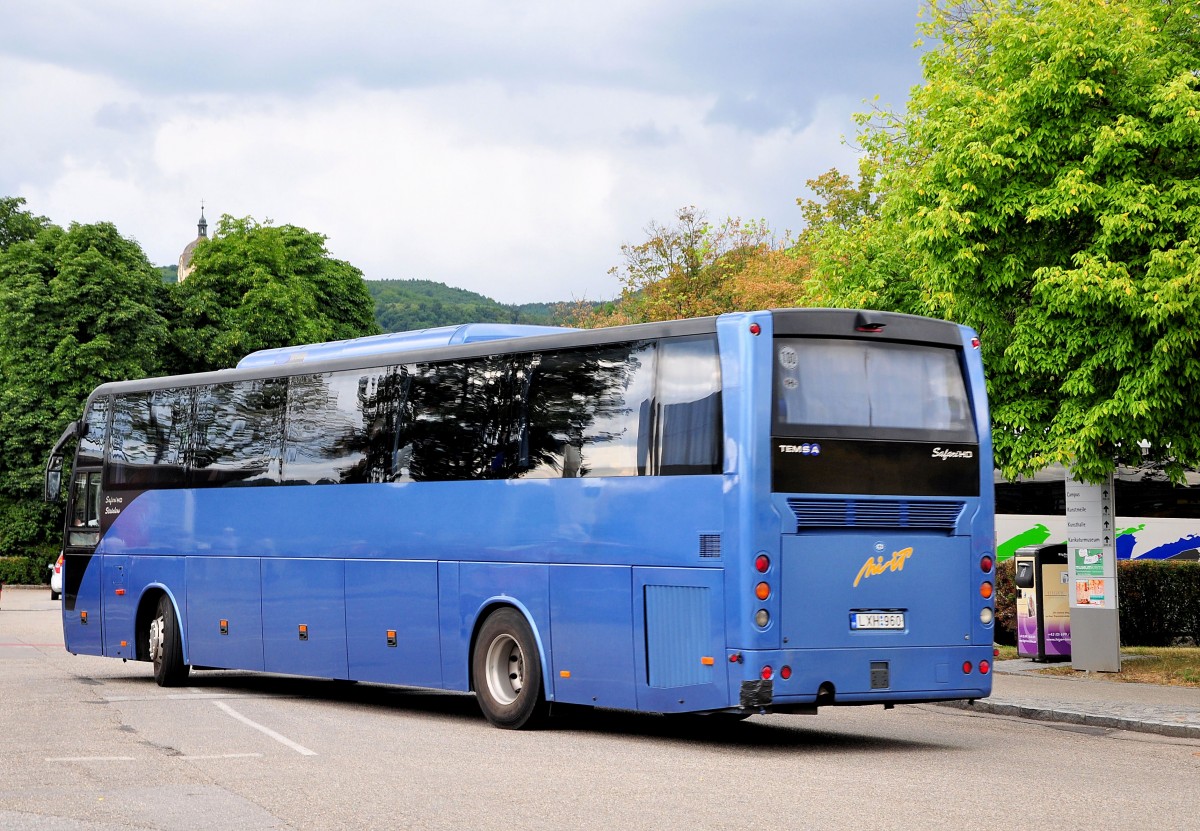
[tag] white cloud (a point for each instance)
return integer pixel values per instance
(511, 152)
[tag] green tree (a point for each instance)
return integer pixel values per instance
(258, 286)
(857, 259)
(77, 308)
(16, 223)
(1043, 186)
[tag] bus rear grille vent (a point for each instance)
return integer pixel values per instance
(710, 545)
(891, 513)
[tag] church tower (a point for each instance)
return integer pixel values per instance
(185, 259)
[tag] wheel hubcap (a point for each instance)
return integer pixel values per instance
(156, 638)
(505, 669)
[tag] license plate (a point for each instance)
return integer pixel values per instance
(877, 620)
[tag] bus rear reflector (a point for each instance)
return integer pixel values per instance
(767, 673)
(984, 666)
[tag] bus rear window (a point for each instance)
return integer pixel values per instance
(860, 389)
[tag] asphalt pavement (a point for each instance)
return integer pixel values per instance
(1019, 689)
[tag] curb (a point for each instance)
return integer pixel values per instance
(1036, 713)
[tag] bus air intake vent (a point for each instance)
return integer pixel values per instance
(890, 513)
(710, 545)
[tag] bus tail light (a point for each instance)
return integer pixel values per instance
(761, 563)
(986, 564)
(984, 667)
(767, 673)
(785, 672)
(967, 667)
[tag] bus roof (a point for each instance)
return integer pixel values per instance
(395, 342)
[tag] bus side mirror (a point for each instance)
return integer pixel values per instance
(53, 485)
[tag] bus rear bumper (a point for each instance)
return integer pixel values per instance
(780, 679)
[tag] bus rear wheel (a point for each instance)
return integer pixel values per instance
(507, 669)
(165, 646)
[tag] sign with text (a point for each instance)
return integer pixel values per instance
(1091, 544)
(1092, 567)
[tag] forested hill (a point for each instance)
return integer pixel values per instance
(401, 305)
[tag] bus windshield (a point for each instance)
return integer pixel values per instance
(855, 388)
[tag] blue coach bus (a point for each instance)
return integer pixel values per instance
(757, 512)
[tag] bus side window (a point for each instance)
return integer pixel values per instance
(687, 408)
(238, 433)
(588, 411)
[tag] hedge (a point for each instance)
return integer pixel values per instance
(24, 571)
(1159, 602)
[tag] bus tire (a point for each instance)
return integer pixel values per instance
(165, 646)
(507, 669)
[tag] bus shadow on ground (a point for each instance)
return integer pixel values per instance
(758, 733)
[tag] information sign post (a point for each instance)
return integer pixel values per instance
(1092, 572)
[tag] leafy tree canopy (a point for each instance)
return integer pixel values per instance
(693, 268)
(258, 286)
(1043, 186)
(16, 223)
(77, 308)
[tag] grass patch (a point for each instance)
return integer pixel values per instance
(1167, 666)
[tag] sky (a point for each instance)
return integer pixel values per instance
(507, 147)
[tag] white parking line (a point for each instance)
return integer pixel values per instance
(223, 756)
(267, 731)
(92, 759)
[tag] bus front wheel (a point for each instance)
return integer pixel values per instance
(165, 646)
(507, 669)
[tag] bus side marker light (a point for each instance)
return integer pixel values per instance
(707, 661)
(124, 643)
(303, 631)
(735, 658)
(120, 592)
(755, 329)
(83, 618)
(392, 640)
(564, 673)
(224, 627)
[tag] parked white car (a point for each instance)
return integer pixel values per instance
(56, 578)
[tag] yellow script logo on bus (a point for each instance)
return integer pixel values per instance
(876, 565)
